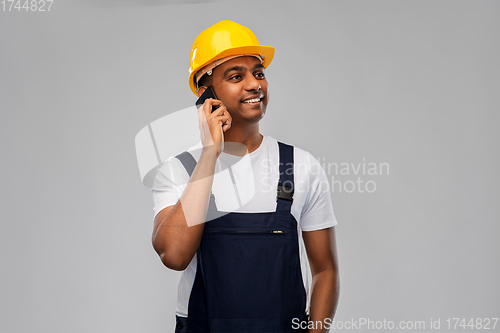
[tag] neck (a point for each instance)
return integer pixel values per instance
(240, 141)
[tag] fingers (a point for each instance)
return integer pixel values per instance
(209, 104)
(213, 124)
(226, 121)
(220, 113)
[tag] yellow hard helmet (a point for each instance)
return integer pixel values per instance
(224, 39)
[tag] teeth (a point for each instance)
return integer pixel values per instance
(252, 100)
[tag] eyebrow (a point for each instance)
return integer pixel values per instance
(241, 68)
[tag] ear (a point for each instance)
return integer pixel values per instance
(201, 90)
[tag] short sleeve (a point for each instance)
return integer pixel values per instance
(169, 184)
(317, 212)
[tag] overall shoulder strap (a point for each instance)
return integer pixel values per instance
(189, 164)
(188, 161)
(285, 188)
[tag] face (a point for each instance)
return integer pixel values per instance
(241, 85)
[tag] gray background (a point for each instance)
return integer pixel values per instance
(410, 83)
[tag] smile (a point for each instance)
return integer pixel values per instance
(253, 100)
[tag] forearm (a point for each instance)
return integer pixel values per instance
(324, 299)
(179, 234)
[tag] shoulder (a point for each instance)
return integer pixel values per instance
(173, 160)
(172, 171)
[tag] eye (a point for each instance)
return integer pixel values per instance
(235, 77)
(260, 75)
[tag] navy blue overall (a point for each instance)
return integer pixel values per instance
(248, 276)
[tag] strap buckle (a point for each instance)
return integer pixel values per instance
(284, 192)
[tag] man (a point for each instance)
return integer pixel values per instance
(245, 269)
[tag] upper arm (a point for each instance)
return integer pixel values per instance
(169, 183)
(321, 249)
(317, 210)
(159, 218)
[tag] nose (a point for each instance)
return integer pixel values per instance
(252, 83)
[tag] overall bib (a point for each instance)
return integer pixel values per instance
(248, 276)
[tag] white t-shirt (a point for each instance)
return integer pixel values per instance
(247, 184)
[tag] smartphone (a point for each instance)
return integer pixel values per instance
(209, 93)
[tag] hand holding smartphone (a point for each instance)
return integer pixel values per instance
(208, 93)
(211, 133)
